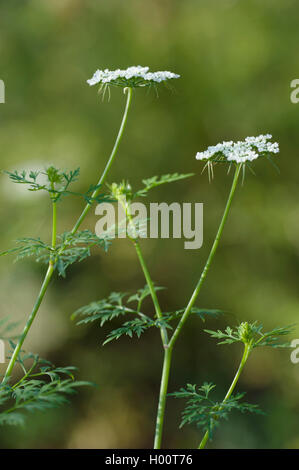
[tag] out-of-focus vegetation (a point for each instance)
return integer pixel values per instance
(236, 60)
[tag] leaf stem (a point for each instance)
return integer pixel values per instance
(54, 223)
(162, 398)
(167, 357)
(164, 335)
(50, 270)
(209, 260)
(30, 320)
(247, 351)
(129, 92)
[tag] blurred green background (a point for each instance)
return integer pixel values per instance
(236, 60)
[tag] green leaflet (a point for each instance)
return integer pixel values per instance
(252, 333)
(41, 387)
(205, 412)
(117, 305)
(71, 249)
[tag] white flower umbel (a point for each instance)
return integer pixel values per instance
(133, 77)
(240, 152)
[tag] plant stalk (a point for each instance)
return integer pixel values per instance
(167, 358)
(164, 335)
(209, 260)
(51, 266)
(162, 398)
(247, 350)
(129, 92)
(30, 320)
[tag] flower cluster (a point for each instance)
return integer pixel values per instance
(240, 152)
(135, 76)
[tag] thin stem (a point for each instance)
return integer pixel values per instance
(26, 375)
(164, 335)
(247, 350)
(30, 320)
(167, 352)
(54, 224)
(110, 161)
(54, 228)
(51, 267)
(167, 358)
(209, 260)
(149, 281)
(162, 398)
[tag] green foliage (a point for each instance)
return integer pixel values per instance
(117, 304)
(142, 294)
(155, 181)
(56, 183)
(202, 313)
(114, 306)
(72, 248)
(41, 387)
(123, 190)
(129, 328)
(30, 247)
(252, 334)
(205, 412)
(76, 247)
(103, 310)
(52, 180)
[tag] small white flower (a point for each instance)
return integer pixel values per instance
(135, 76)
(240, 152)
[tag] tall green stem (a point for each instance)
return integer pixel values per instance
(151, 286)
(162, 398)
(167, 350)
(129, 92)
(54, 221)
(209, 260)
(247, 350)
(30, 320)
(51, 268)
(167, 357)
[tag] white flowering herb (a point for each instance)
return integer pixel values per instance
(132, 77)
(61, 251)
(240, 152)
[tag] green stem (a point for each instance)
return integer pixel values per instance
(30, 320)
(162, 398)
(247, 350)
(167, 352)
(54, 224)
(149, 281)
(54, 229)
(50, 270)
(110, 161)
(167, 358)
(27, 373)
(209, 260)
(164, 335)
